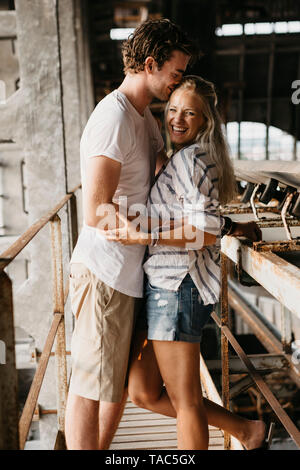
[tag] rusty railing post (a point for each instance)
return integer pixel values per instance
(60, 349)
(9, 407)
(224, 341)
(286, 329)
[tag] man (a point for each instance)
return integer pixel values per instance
(118, 156)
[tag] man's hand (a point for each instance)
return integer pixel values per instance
(248, 230)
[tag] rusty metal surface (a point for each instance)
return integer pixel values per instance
(213, 395)
(58, 307)
(30, 405)
(241, 386)
(56, 245)
(9, 439)
(224, 342)
(262, 386)
(9, 255)
(277, 222)
(277, 246)
(280, 278)
(264, 389)
(273, 402)
(240, 209)
(286, 329)
(266, 363)
(16, 435)
(262, 332)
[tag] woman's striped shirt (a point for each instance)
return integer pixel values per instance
(187, 188)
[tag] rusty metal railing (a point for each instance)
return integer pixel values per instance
(14, 432)
(226, 338)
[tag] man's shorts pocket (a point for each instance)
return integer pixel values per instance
(79, 285)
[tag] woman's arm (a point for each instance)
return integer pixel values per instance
(184, 235)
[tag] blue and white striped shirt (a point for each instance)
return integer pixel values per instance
(187, 188)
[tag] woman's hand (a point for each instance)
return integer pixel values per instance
(128, 233)
(249, 230)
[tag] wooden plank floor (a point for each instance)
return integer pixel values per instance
(144, 430)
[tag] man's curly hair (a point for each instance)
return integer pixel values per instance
(158, 39)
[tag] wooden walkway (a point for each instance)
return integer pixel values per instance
(144, 430)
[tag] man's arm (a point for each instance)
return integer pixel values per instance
(102, 179)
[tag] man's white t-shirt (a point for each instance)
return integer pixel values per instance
(116, 130)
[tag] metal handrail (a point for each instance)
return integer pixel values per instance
(228, 337)
(32, 398)
(57, 329)
(10, 254)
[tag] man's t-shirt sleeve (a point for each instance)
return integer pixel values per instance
(111, 137)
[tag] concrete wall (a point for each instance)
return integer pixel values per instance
(44, 119)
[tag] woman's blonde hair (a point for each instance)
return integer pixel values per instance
(211, 136)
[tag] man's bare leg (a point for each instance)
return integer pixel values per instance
(82, 423)
(110, 415)
(91, 425)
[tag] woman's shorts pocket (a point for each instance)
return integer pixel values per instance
(200, 313)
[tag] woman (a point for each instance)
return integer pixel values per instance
(183, 272)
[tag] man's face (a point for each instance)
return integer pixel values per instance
(162, 82)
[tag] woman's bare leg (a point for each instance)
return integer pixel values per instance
(179, 364)
(145, 384)
(146, 391)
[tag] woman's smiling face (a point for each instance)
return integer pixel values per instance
(185, 117)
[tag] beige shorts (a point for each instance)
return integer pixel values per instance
(101, 339)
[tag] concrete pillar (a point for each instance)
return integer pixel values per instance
(45, 119)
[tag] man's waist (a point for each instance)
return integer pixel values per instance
(91, 241)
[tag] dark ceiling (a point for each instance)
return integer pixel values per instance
(253, 74)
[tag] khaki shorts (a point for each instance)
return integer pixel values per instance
(101, 339)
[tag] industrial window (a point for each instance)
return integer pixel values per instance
(278, 27)
(282, 146)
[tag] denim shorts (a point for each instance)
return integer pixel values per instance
(176, 315)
